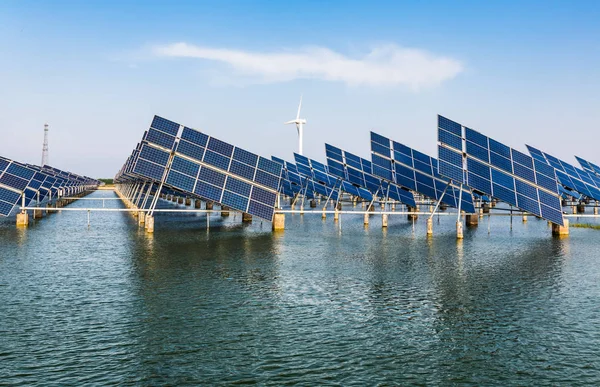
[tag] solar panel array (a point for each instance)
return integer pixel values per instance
(589, 166)
(199, 165)
(292, 183)
(35, 183)
(414, 170)
(569, 176)
(359, 171)
(326, 183)
(490, 167)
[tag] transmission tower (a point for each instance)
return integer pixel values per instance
(45, 147)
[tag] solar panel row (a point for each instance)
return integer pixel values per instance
(494, 169)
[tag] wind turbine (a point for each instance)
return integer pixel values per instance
(299, 126)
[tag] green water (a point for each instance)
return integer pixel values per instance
(314, 305)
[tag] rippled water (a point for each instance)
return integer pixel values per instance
(312, 305)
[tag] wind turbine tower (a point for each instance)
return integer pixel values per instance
(299, 126)
(45, 147)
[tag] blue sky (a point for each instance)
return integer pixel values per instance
(97, 71)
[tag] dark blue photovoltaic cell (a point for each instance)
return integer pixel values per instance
(235, 201)
(503, 194)
(379, 139)
(9, 196)
(5, 208)
(450, 157)
(165, 125)
(3, 164)
(267, 179)
(217, 160)
(450, 139)
(263, 196)
(451, 171)
(160, 138)
(245, 157)
(148, 169)
(194, 136)
(522, 159)
(269, 166)
(449, 125)
(477, 151)
(551, 214)
(478, 168)
(381, 149)
(13, 181)
(237, 186)
(503, 179)
(478, 183)
(524, 172)
(260, 210)
(544, 168)
(525, 189)
(243, 170)
(190, 150)
(20, 171)
(385, 173)
(499, 148)
(180, 181)
(220, 147)
(184, 166)
(476, 138)
(211, 176)
(501, 162)
(528, 204)
(380, 161)
(157, 156)
(207, 191)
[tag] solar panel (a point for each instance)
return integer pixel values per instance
(417, 171)
(359, 171)
(495, 169)
(570, 177)
(325, 183)
(589, 166)
(200, 165)
(291, 183)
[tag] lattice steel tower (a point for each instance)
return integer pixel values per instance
(45, 147)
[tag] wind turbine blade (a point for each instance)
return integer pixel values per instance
(299, 107)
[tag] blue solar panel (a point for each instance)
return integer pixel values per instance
(506, 174)
(359, 171)
(415, 170)
(160, 138)
(165, 125)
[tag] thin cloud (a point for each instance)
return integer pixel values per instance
(386, 65)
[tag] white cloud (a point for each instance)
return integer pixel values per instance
(386, 65)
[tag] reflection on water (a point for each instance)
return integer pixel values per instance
(321, 303)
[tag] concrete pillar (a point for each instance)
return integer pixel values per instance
(246, 218)
(524, 218)
(209, 205)
(324, 215)
(559, 230)
(52, 206)
(393, 206)
(412, 216)
(188, 201)
(486, 208)
(459, 230)
(595, 210)
(149, 224)
(224, 211)
(443, 207)
(197, 204)
(141, 218)
(22, 219)
(180, 200)
(574, 209)
(371, 208)
(384, 220)
(366, 220)
(472, 219)
(278, 222)
(313, 203)
(429, 226)
(581, 208)
(339, 206)
(38, 214)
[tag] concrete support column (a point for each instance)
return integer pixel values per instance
(384, 220)
(149, 224)
(197, 204)
(313, 203)
(188, 201)
(142, 218)
(336, 215)
(412, 216)
(581, 208)
(472, 219)
(246, 218)
(278, 222)
(180, 200)
(224, 211)
(366, 220)
(429, 226)
(559, 230)
(38, 214)
(323, 215)
(393, 206)
(52, 206)
(524, 218)
(595, 210)
(459, 230)
(209, 205)
(22, 219)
